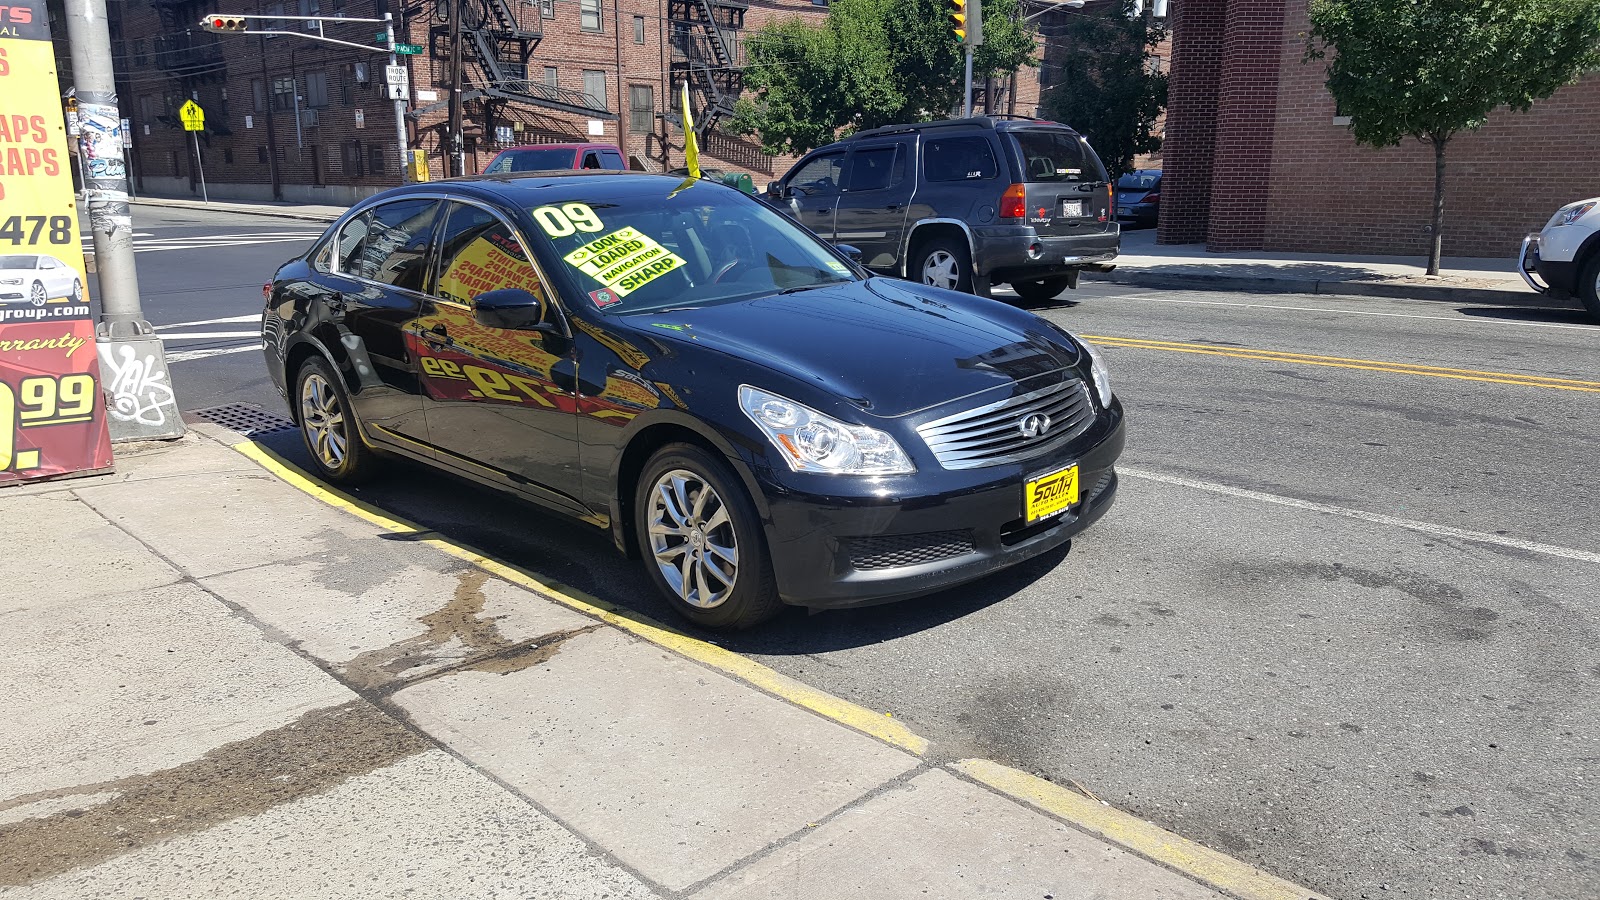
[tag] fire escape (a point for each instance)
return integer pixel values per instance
(497, 40)
(704, 55)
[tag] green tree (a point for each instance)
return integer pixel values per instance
(1103, 86)
(1429, 69)
(871, 63)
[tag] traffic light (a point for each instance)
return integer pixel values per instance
(223, 24)
(967, 21)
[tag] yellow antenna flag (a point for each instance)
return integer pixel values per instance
(691, 150)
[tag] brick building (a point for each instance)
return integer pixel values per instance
(310, 122)
(1257, 159)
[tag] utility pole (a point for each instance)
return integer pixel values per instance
(399, 98)
(124, 339)
(272, 130)
(458, 155)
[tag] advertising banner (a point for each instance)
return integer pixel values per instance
(52, 412)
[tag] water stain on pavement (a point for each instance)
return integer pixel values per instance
(313, 754)
(457, 637)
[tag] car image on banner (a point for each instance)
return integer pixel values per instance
(38, 279)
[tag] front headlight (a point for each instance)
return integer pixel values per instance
(1097, 368)
(812, 442)
(10, 280)
(1566, 215)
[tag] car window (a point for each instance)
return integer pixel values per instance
(876, 168)
(478, 252)
(533, 160)
(394, 243)
(819, 175)
(631, 246)
(958, 159)
(1056, 156)
(47, 263)
(591, 160)
(18, 262)
(610, 159)
(1139, 181)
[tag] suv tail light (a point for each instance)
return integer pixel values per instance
(1152, 197)
(1014, 202)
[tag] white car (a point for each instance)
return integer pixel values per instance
(1563, 260)
(38, 279)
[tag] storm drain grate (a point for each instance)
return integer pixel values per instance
(244, 418)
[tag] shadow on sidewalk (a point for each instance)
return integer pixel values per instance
(548, 544)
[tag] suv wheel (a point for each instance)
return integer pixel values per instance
(942, 262)
(1589, 285)
(1040, 290)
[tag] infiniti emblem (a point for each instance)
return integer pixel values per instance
(1034, 425)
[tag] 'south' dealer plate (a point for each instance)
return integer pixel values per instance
(1048, 495)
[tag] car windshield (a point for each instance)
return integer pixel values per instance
(18, 262)
(659, 248)
(533, 160)
(1056, 156)
(1139, 181)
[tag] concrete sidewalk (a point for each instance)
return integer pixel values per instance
(1190, 267)
(224, 679)
(304, 211)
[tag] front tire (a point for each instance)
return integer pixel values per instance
(328, 426)
(1040, 290)
(942, 262)
(38, 296)
(700, 539)
(1589, 286)
(77, 291)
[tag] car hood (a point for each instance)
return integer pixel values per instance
(886, 346)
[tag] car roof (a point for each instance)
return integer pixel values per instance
(559, 147)
(524, 189)
(992, 122)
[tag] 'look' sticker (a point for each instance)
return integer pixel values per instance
(624, 260)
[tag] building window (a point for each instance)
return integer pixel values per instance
(589, 15)
(227, 155)
(594, 84)
(352, 158)
(258, 94)
(283, 93)
(139, 59)
(638, 29)
(375, 160)
(274, 24)
(547, 8)
(261, 155)
(551, 77)
(641, 108)
(316, 89)
(144, 111)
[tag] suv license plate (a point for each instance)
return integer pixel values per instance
(1047, 495)
(1073, 208)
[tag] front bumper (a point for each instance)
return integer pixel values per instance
(1560, 278)
(1007, 252)
(830, 551)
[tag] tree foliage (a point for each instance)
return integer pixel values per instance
(871, 63)
(1103, 87)
(1428, 69)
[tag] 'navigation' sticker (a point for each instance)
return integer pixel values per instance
(624, 260)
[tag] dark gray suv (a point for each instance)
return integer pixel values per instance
(963, 204)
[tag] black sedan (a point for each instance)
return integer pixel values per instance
(734, 400)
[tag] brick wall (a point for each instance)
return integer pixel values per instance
(1246, 114)
(1198, 28)
(1330, 195)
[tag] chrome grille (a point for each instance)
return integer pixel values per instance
(992, 434)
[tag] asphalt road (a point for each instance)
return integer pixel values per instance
(1341, 623)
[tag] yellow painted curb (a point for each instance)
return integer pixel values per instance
(879, 725)
(1203, 864)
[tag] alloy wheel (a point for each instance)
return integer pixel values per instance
(38, 297)
(692, 539)
(322, 416)
(941, 269)
(77, 292)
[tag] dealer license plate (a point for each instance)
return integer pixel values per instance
(1124, 210)
(1050, 494)
(1072, 208)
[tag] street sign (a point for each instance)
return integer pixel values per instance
(408, 49)
(194, 118)
(395, 75)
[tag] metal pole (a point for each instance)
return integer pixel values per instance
(966, 100)
(106, 193)
(458, 156)
(200, 166)
(399, 104)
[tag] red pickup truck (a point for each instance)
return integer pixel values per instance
(544, 157)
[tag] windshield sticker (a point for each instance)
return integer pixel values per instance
(566, 219)
(839, 267)
(624, 260)
(604, 298)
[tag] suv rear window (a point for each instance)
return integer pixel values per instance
(532, 160)
(1056, 156)
(958, 159)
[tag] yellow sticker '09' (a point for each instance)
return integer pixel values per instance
(624, 260)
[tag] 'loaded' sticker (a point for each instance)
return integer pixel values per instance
(624, 260)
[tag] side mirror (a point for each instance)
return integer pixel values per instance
(851, 251)
(774, 189)
(511, 308)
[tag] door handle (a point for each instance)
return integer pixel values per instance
(893, 206)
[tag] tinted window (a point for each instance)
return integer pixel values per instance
(958, 159)
(819, 175)
(876, 168)
(1056, 156)
(610, 159)
(1139, 181)
(533, 160)
(394, 243)
(477, 253)
(18, 262)
(640, 244)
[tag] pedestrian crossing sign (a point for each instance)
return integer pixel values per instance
(194, 118)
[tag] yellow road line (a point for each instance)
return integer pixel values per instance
(1203, 864)
(879, 725)
(1340, 362)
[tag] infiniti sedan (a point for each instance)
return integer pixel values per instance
(740, 406)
